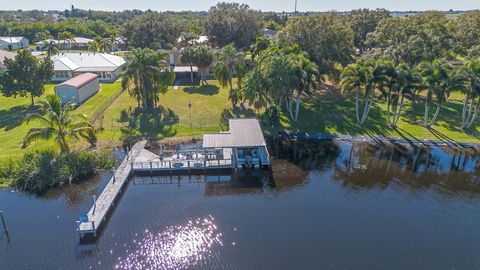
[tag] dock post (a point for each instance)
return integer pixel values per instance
(151, 168)
(3, 222)
(94, 203)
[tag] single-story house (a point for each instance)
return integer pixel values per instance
(13, 43)
(69, 65)
(182, 70)
(5, 55)
(78, 89)
(79, 43)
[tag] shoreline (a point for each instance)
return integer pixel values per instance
(380, 139)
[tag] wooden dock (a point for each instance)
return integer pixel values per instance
(104, 203)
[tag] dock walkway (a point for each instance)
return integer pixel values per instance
(99, 211)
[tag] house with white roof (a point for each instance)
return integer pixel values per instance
(13, 43)
(78, 43)
(69, 65)
(199, 40)
(5, 55)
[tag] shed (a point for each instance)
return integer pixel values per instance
(78, 89)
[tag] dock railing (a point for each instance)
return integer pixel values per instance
(182, 164)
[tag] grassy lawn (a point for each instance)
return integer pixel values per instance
(172, 118)
(13, 112)
(336, 115)
(328, 113)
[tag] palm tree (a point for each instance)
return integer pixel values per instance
(355, 77)
(58, 123)
(471, 105)
(229, 61)
(93, 46)
(203, 59)
(188, 56)
(255, 89)
(365, 78)
(148, 72)
(52, 48)
(67, 37)
(436, 76)
(307, 73)
(105, 45)
(403, 83)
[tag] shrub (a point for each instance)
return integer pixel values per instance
(40, 170)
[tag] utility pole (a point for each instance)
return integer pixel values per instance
(295, 8)
(191, 124)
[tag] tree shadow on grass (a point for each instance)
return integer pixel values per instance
(444, 138)
(319, 115)
(15, 116)
(150, 123)
(208, 90)
(235, 113)
(412, 140)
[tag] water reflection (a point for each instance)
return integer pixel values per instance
(307, 154)
(177, 247)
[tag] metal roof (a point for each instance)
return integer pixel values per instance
(83, 62)
(243, 133)
(80, 80)
(77, 40)
(12, 39)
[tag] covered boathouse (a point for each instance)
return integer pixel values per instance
(244, 141)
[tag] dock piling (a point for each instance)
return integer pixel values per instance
(3, 222)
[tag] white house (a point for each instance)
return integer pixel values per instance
(78, 89)
(199, 40)
(69, 65)
(79, 43)
(13, 43)
(5, 55)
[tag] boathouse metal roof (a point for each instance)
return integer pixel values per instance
(243, 133)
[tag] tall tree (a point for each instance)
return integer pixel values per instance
(153, 30)
(26, 75)
(466, 30)
(229, 62)
(187, 56)
(67, 37)
(203, 60)
(402, 83)
(327, 39)
(362, 22)
(51, 48)
(58, 123)
(441, 79)
(146, 74)
(233, 23)
(471, 105)
(364, 78)
(422, 37)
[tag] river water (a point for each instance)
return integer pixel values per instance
(324, 205)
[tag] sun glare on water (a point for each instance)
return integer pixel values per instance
(177, 247)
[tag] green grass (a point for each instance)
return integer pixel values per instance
(173, 116)
(13, 112)
(328, 114)
(336, 115)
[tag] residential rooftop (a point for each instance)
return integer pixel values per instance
(87, 62)
(243, 133)
(80, 80)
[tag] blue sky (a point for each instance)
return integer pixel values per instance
(265, 5)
